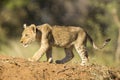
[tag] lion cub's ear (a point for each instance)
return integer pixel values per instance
(33, 27)
(24, 26)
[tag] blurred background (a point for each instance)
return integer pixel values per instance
(100, 18)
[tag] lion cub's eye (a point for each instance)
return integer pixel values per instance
(26, 35)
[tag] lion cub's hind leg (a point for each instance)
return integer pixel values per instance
(49, 55)
(69, 55)
(81, 49)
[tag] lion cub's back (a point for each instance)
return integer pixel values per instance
(63, 36)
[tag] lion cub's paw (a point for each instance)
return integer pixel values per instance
(85, 64)
(31, 59)
(58, 62)
(50, 60)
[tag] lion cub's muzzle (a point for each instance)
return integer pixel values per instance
(23, 43)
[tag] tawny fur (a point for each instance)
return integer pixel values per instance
(60, 36)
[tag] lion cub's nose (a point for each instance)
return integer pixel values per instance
(21, 41)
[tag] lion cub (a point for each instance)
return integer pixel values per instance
(60, 36)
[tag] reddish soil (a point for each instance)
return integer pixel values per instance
(21, 69)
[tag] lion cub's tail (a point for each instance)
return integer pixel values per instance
(93, 44)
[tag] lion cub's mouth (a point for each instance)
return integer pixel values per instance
(25, 45)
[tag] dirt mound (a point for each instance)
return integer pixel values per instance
(21, 69)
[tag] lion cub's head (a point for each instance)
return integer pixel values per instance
(28, 35)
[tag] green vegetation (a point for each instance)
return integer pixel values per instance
(100, 18)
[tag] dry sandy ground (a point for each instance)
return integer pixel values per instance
(21, 69)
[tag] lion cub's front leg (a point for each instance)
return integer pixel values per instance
(43, 49)
(49, 55)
